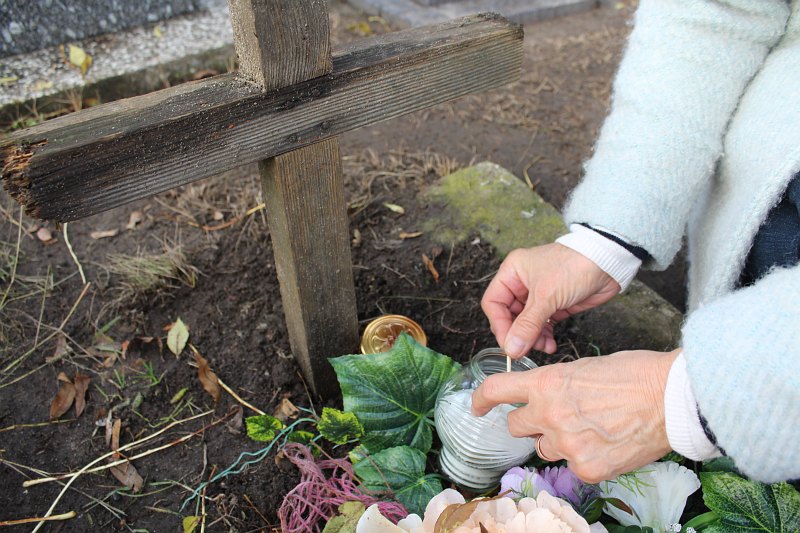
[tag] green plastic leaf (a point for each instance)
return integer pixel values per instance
(720, 464)
(300, 436)
(393, 393)
(190, 523)
(263, 428)
(399, 471)
(346, 520)
(177, 337)
(357, 454)
(747, 506)
(339, 427)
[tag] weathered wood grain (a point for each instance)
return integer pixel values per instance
(281, 42)
(307, 214)
(288, 43)
(104, 157)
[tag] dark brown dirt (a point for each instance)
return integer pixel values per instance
(544, 124)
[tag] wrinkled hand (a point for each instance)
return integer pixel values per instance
(604, 415)
(535, 285)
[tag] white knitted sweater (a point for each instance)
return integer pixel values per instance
(702, 138)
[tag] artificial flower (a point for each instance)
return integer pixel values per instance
(543, 514)
(656, 494)
(558, 481)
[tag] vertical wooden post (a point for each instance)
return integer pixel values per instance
(280, 43)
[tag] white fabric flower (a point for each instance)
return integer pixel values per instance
(656, 494)
(543, 514)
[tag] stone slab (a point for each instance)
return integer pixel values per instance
(27, 25)
(125, 63)
(410, 13)
(489, 201)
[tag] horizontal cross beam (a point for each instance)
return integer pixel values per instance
(103, 157)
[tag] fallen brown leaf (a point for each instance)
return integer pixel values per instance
(234, 425)
(286, 410)
(103, 234)
(64, 397)
(411, 235)
(135, 218)
(81, 384)
(60, 351)
(128, 476)
(431, 268)
(44, 235)
(115, 429)
(207, 376)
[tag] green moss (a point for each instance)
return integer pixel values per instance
(491, 201)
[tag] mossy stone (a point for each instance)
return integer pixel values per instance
(488, 200)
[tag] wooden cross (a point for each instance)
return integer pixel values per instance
(284, 108)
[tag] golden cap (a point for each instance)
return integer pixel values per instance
(380, 334)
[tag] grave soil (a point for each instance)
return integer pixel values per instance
(543, 124)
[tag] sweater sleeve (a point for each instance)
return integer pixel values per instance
(682, 75)
(743, 359)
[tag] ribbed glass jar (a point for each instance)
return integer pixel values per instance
(477, 451)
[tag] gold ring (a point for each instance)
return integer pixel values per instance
(542, 456)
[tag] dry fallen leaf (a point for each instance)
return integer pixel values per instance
(103, 234)
(64, 397)
(394, 207)
(60, 351)
(286, 410)
(177, 337)
(79, 58)
(410, 235)
(135, 218)
(128, 476)
(234, 425)
(108, 423)
(432, 269)
(207, 376)
(356, 242)
(81, 384)
(115, 429)
(44, 235)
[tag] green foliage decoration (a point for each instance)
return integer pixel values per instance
(400, 472)
(263, 428)
(393, 393)
(749, 506)
(339, 427)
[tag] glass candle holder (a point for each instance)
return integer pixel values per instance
(477, 451)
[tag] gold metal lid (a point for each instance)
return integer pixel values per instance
(380, 334)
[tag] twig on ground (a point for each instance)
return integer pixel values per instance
(88, 470)
(38, 424)
(60, 328)
(238, 398)
(250, 503)
(399, 274)
(50, 518)
(16, 261)
(72, 253)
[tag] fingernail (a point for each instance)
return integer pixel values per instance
(515, 346)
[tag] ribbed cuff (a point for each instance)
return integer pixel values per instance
(612, 258)
(684, 430)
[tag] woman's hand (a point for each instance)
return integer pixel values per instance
(536, 285)
(604, 415)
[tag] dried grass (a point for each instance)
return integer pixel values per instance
(145, 274)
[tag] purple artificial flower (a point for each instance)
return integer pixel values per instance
(565, 482)
(520, 482)
(558, 481)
